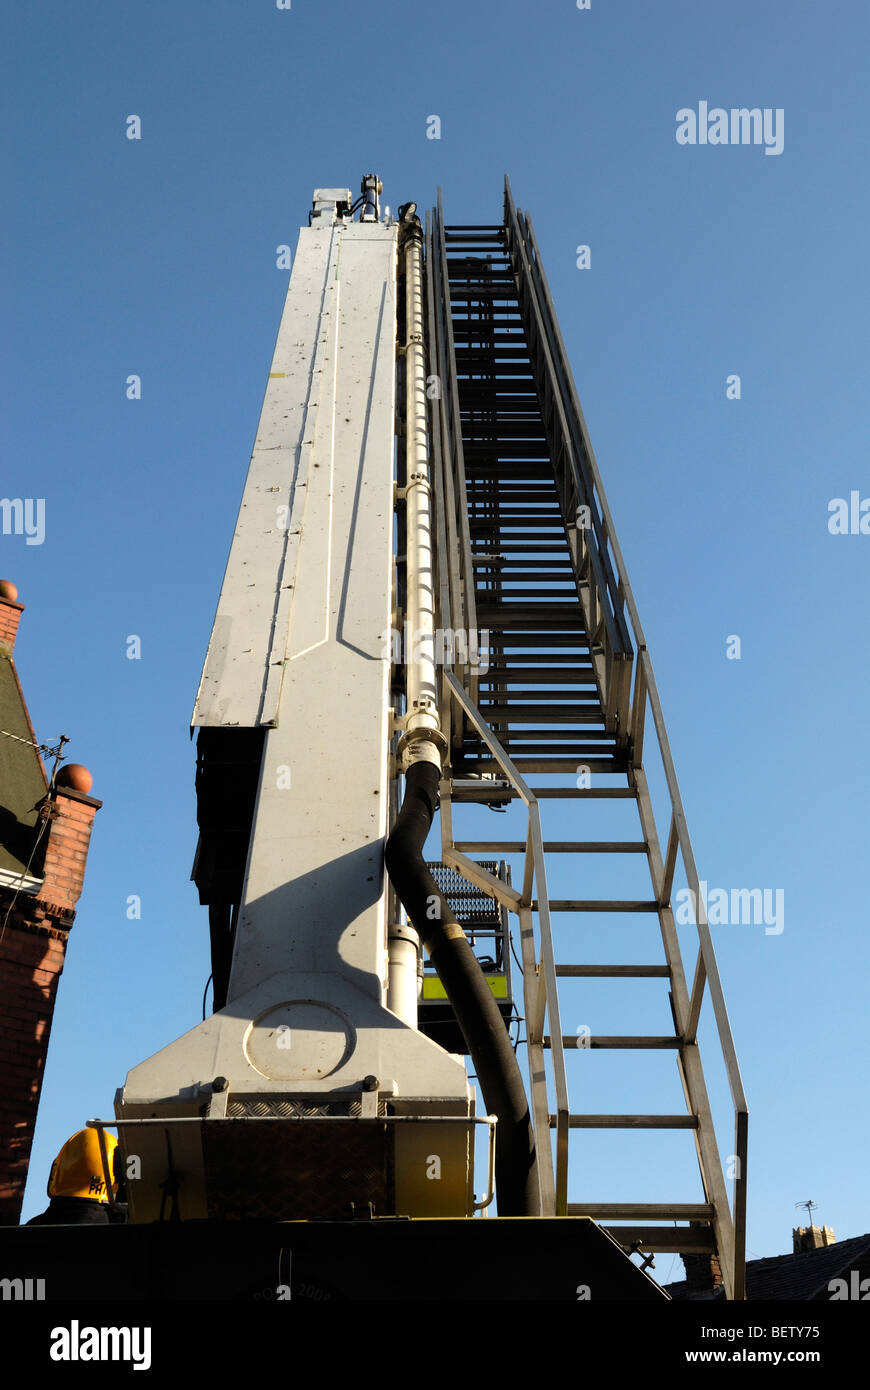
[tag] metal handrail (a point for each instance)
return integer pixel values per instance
(543, 999)
(454, 470)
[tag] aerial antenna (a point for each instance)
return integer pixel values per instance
(811, 1206)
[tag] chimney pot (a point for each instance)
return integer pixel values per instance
(76, 776)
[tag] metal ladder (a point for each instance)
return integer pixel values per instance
(527, 552)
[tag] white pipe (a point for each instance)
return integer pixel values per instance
(404, 945)
(420, 673)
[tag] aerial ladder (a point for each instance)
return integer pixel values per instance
(425, 609)
(529, 554)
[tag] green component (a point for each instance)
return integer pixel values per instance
(433, 988)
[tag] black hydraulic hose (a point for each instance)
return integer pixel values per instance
(476, 1011)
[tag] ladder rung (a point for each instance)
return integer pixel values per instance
(584, 905)
(514, 410)
(501, 673)
(626, 1042)
(490, 846)
(564, 713)
(606, 792)
(510, 569)
(539, 616)
(519, 469)
(665, 1240)
(540, 639)
(562, 765)
(548, 765)
(514, 668)
(497, 589)
(562, 740)
(545, 700)
(553, 846)
(489, 288)
(538, 521)
(596, 846)
(469, 358)
(613, 971)
(629, 1121)
(643, 1211)
(512, 547)
(559, 742)
(465, 329)
(481, 792)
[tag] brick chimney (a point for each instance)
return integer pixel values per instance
(72, 818)
(703, 1274)
(10, 613)
(44, 838)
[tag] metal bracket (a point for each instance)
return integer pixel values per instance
(411, 736)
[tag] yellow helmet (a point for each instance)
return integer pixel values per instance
(78, 1169)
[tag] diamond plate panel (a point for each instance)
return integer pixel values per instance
(297, 1171)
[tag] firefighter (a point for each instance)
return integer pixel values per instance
(77, 1184)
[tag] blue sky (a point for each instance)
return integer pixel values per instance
(157, 257)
